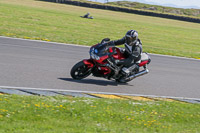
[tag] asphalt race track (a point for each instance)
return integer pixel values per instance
(36, 64)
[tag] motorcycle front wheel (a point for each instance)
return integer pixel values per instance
(80, 71)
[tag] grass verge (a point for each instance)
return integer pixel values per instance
(89, 115)
(33, 19)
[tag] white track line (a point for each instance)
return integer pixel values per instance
(45, 42)
(89, 46)
(176, 57)
(106, 93)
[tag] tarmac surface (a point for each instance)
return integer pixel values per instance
(44, 65)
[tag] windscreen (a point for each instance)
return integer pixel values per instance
(100, 49)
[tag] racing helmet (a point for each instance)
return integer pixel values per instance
(131, 37)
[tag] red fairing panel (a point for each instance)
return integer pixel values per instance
(143, 63)
(102, 59)
(119, 55)
(88, 62)
(104, 70)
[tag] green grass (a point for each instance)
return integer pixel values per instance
(61, 23)
(89, 115)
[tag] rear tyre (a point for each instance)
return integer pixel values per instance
(80, 71)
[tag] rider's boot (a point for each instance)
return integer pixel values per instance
(128, 70)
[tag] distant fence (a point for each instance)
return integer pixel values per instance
(106, 7)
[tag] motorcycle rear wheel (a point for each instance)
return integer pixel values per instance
(80, 71)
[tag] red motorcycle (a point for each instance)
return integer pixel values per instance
(101, 64)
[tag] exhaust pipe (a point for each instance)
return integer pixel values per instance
(143, 72)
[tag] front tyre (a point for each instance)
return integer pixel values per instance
(80, 71)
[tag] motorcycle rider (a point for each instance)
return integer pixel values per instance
(133, 50)
(86, 15)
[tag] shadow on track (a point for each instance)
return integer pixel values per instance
(94, 82)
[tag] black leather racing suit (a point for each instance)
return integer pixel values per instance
(132, 53)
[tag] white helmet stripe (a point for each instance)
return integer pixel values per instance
(132, 32)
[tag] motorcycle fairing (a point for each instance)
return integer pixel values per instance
(88, 63)
(104, 70)
(118, 55)
(102, 58)
(101, 69)
(143, 63)
(145, 59)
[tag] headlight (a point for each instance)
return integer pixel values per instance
(93, 55)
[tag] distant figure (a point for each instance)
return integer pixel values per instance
(87, 16)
